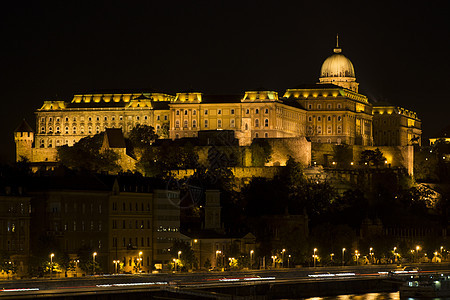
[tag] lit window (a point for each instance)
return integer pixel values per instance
(339, 118)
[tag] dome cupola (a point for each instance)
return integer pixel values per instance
(338, 69)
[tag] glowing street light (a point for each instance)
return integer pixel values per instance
(93, 262)
(273, 260)
(140, 260)
(357, 254)
(282, 254)
(289, 258)
(314, 256)
(217, 254)
(331, 257)
(343, 258)
(175, 264)
(115, 265)
(395, 254)
(417, 249)
(371, 254)
(51, 264)
(251, 259)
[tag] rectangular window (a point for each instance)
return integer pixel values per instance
(206, 123)
(232, 111)
(219, 111)
(206, 111)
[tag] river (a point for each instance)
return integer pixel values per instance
(369, 296)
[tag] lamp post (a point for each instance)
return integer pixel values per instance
(357, 256)
(175, 264)
(251, 259)
(417, 249)
(314, 256)
(115, 265)
(273, 260)
(282, 259)
(331, 257)
(343, 258)
(371, 254)
(217, 257)
(51, 264)
(289, 257)
(140, 261)
(93, 262)
(395, 255)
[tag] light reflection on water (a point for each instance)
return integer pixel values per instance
(369, 296)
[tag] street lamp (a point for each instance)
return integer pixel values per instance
(395, 255)
(115, 265)
(314, 257)
(175, 264)
(357, 254)
(51, 264)
(331, 257)
(217, 254)
(282, 260)
(93, 262)
(417, 249)
(289, 257)
(371, 254)
(273, 260)
(343, 260)
(251, 259)
(140, 261)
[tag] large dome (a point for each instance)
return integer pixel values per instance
(337, 65)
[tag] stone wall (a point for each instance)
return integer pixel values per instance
(298, 148)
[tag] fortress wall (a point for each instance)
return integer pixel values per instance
(298, 148)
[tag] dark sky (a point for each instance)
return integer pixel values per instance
(53, 49)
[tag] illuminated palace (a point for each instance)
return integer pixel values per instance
(330, 111)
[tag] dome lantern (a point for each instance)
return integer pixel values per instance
(338, 69)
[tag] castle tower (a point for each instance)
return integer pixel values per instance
(212, 210)
(338, 69)
(24, 137)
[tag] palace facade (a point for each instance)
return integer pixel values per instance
(330, 111)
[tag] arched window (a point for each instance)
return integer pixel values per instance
(256, 122)
(57, 129)
(219, 123)
(194, 123)
(74, 130)
(232, 124)
(66, 130)
(82, 129)
(177, 124)
(266, 123)
(257, 111)
(206, 123)
(97, 129)
(90, 129)
(185, 123)
(42, 143)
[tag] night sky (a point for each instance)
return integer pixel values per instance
(51, 50)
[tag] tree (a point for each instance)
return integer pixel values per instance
(86, 154)
(372, 157)
(142, 136)
(187, 257)
(86, 258)
(261, 152)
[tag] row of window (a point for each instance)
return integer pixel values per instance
(329, 106)
(219, 123)
(129, 243)
(219, 111)
(131, 207)
(329, 130)
(131, 225)
(97, 118)
(319, 118)
(80, 226)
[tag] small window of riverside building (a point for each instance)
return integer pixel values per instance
(319, 118)
(194, 112)
(256, 135)
(82, 129)
(339, 105)
(177, 124)
(185, 123)
(89, 119)
(232, 123)
(329, 118)
(266, 111)
(319, 129)
(328, 106)
(97, 129)
(219, 123)
(165, 118)
(42, 144)
(219, 111)
(339, 118)
(67, 119)
(319, 106)
(74, 130)
(266, 135)
(329, 129)
(339, 129)
(90, 129)
(247, 111)
(177, 112)
(257, 111)
(206, 111)
(266, 123)
(206, 123)
(50, 119)
(74, 119)
(106, 119)
(57, 120)
(42, 129)
(177, 136)
(98, 118)
(310, 119)
(194, 123)
(309, 106)
(256, 122)
(66, 130)
(158, 118)
(57, 129)
(232, 111)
